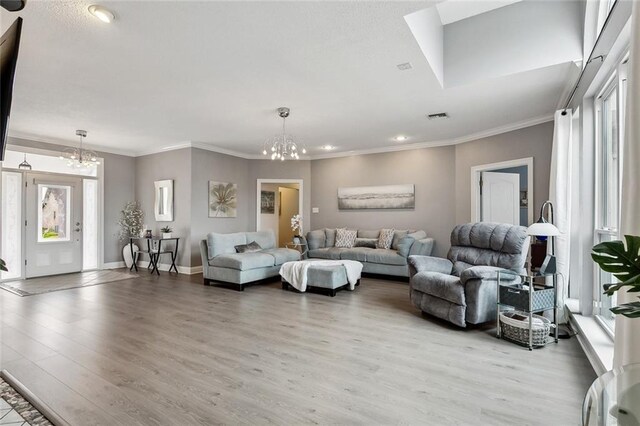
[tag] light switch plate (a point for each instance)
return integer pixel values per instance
(315, 210)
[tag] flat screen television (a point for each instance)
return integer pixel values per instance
(9, 44)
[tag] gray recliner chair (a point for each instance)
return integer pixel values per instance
(462, 288)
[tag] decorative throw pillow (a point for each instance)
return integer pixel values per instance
(366, 242)
(248, 248)
(385, 238)
(345, 238)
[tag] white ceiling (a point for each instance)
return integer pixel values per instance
(213, 74)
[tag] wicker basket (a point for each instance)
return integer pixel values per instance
(518, 330)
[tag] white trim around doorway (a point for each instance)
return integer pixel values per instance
(259, 183)
(475, 184)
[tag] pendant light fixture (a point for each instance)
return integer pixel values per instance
(80, 157)
(282, 147)
(24, 165)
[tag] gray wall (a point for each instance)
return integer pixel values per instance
(206, 166)
(441, 177)
(175, 165)
(431, 170)
(534, 141)
(119, 188)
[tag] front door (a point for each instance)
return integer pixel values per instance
(53, 225)
(501, 197)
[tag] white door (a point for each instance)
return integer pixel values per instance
(500, 197)
(53, 225)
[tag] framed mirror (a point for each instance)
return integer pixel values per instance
(164, 200)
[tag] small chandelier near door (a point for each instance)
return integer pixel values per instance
(79, 157)
(281, 147)
(25, 164)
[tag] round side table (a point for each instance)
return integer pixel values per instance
(301, 247)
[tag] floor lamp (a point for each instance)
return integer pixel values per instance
(546, 228)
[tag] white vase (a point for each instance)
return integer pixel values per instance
(126, 254)
(166, 235)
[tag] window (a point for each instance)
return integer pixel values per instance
(11, 244)
(610, 111)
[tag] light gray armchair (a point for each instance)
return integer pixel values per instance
(462, 288)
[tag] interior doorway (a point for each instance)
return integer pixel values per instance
(278, 200)
(503, 192)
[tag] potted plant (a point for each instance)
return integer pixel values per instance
(131, 226)
(166, 231)
(296, 225)
(3, 266)
(624, 263)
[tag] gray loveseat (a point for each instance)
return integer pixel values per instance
(393, 261)
(221, 263)
(462, 288)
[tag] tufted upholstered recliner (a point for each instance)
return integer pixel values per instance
(462, 288)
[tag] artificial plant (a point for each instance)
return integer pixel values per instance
(131, 221)
(624, 263)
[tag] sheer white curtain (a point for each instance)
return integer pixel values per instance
(627, 340)
(560, 184)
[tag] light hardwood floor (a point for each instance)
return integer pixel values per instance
(168, 350)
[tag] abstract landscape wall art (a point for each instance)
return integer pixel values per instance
(377, 197)
(223, 199)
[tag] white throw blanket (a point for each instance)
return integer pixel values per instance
(295, 273)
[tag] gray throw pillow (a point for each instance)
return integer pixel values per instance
(330, 237)
(405, 245)
(397, 236)
(248, 248)
(366, 242)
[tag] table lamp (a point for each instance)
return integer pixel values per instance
(544, 228)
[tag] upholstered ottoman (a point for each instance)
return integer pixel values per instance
(325, 277)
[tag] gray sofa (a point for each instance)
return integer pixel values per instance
(221, 263)
(393, 261)
(462, 288)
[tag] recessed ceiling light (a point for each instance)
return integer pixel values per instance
(437, 115)
(401, 138)
(327, 147)
(103, 14)
(404, 66)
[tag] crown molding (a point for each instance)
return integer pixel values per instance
(445, 142)
(213, 148)
(16, 137)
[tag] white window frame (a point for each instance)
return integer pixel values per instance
(616, 82)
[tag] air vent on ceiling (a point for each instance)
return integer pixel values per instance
(405, 66)
(437, 116)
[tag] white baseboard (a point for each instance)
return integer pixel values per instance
(165, 267)
(162, 266)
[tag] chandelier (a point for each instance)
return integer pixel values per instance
(281, 147)
(80, 157)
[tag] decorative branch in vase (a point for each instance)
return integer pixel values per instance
(131, 226)
(624, 263)
(296, 226)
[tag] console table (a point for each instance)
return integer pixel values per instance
(154, 250)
